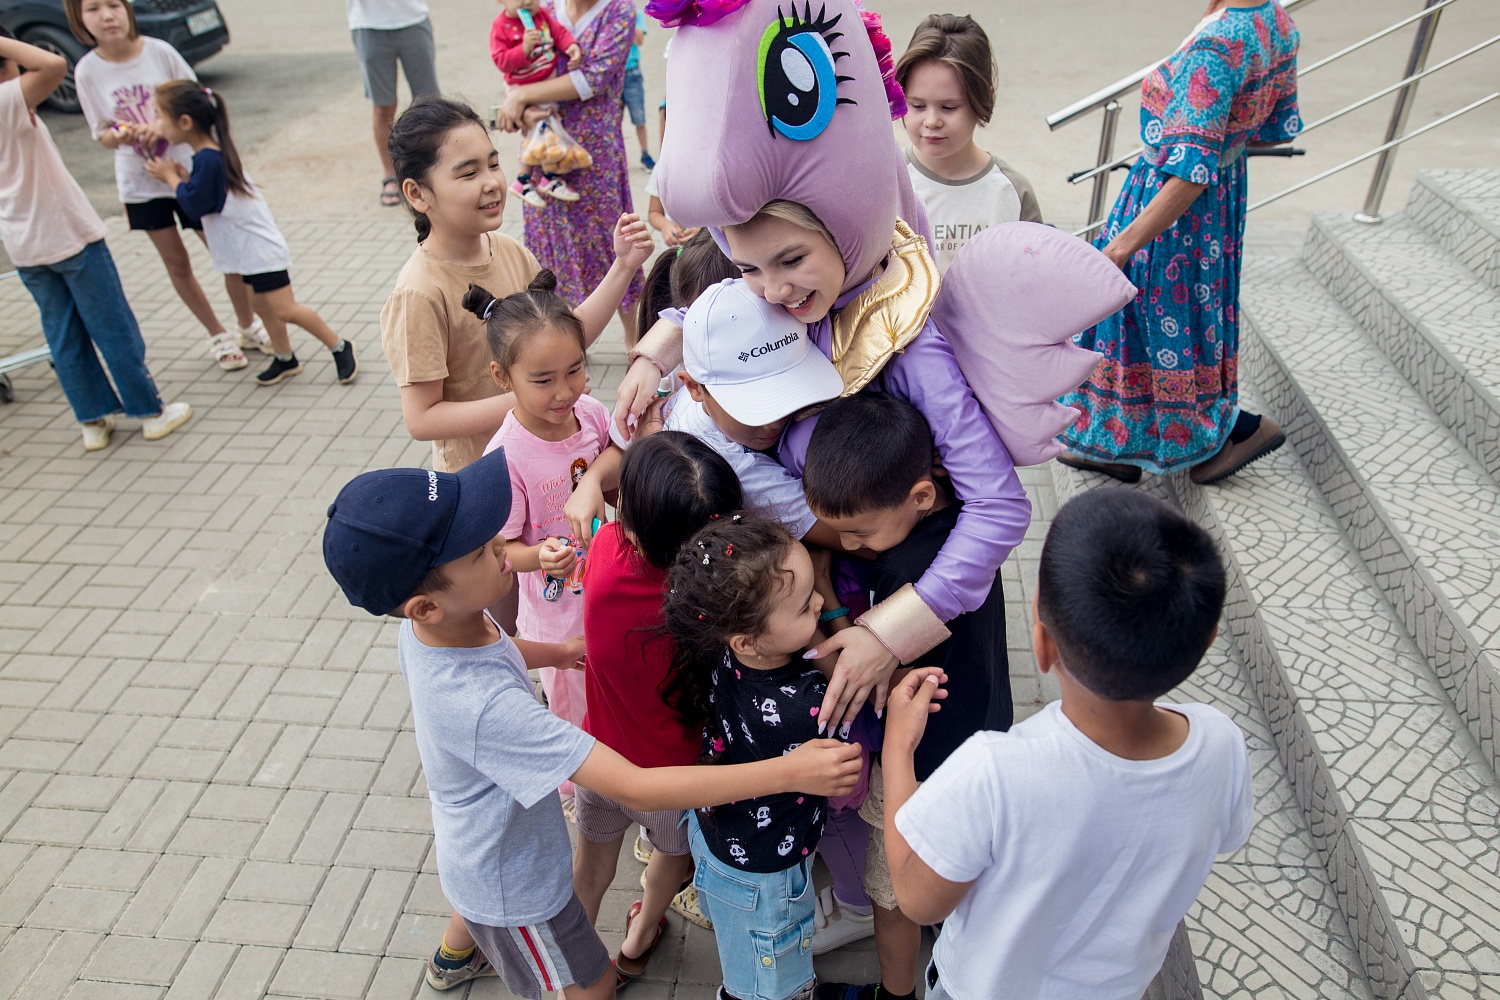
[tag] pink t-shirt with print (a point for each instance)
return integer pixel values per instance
(542, 477)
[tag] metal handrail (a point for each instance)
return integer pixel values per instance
(1405, 90)
(1100, 98)
(1377, 151)
(1079, 178)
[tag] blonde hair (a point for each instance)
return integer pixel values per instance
(957, 41)
(796, 213)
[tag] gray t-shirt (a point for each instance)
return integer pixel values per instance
(493, 759)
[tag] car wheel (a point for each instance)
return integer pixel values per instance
(45, 36)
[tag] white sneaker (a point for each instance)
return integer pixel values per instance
(226, 352)
(96, 433)
(835, 926)
(255, 338)
(171, 417)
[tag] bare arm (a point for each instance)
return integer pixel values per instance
(587, 501)
(429, 417)
(565, 655)
(924, 895)
(1174, 198)
(44, 70)
(523, 96)
(818, 767)
(632, 245)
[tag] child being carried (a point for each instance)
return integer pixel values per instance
(524, 43)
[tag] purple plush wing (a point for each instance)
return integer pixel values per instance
(1010, 304)
(783, 100)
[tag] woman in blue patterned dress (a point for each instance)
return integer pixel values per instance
(1166, 394)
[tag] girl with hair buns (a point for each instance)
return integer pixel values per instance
(452, 181)
(242, 237)
(550, 436)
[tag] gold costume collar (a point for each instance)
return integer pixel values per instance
(888, 315)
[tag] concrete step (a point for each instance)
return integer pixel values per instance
(1432, 316)
(1268, 924)
(1403, 805)
(1419, 509)
(1461, 210)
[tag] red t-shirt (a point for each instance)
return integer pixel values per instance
(628, 661)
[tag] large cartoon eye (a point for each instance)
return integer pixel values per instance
(798, 82)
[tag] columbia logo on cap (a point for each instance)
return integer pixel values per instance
(767, 348)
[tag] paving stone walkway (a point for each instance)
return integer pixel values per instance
(208, 783)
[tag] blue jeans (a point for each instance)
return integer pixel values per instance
(772, 911)
(84, 315)
(633, 96)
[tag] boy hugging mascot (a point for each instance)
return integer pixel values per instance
(774, 100)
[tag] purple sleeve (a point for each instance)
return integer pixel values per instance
(996, 511)
(604, 62)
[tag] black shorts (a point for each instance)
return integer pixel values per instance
(267, 281)
(159, 213)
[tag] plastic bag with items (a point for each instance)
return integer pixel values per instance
(549, 146)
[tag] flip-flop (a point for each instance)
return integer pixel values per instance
(629, 969)
(390, 193)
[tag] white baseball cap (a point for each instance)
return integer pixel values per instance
(756, 358)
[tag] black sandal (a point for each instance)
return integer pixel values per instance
(390, 193)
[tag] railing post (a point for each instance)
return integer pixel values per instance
(1416, 61)
(1106, 153)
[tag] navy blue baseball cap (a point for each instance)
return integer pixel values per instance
(388, 529)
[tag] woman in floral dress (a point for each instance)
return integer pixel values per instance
(575, 239)
(1166, 394)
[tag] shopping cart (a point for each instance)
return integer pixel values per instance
(17, 361)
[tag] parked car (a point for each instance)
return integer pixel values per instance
(196, 28)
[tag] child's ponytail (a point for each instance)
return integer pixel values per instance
(723, 583)
(509, 321)
(210, 115)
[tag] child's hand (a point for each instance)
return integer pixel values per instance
(575, 56)
(586, 504)
(633, 243)
(572, 654)
(165, 169)
(557, 557)
(825, 767)
(530, 40)
(913, 698)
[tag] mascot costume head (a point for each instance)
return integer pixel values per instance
(793, 100)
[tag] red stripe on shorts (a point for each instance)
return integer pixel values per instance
(536, 956)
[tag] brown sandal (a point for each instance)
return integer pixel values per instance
(629, 969)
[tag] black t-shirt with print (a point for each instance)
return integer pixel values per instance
(760, 715)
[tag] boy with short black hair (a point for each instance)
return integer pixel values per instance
(869, 476)
(423, 546)
(1060, 856)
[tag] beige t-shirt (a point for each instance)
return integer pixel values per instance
(428, 335)
(957, 210)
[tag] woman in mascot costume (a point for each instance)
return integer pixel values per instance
(774, 103)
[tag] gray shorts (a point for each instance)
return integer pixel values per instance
(601, 820)
(546, 956)
(935, 990)
(380, 49)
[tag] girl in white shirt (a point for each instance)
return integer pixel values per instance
(948, 75)
(115, 85)
(242, 237)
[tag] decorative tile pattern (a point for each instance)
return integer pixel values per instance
(1461, 209)
(1421, 511)
(1437, 322)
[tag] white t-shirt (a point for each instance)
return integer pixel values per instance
(959, 209)
(492, 757)
(44, 215)
(1082, 862)
(767, 484)
(386, 15)
(126, 92)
